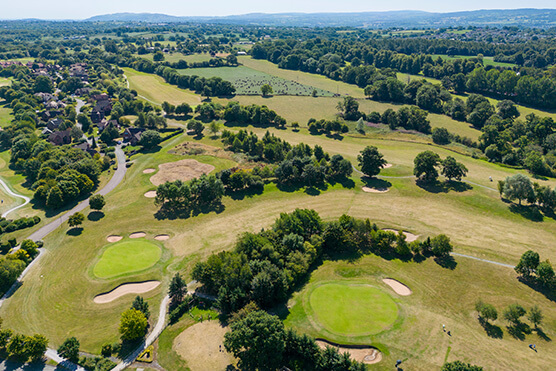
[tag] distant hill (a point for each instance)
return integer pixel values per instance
(542, 18)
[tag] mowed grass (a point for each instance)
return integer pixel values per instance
(153, 88)
(4, 81)
(6, 115)
(440, 296)
(352, 310)
(487, 61)
(127, 256)
(248, 81)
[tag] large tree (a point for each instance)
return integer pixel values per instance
(513, 314)
(518, 187)
(133, 325)
(425, 164)
(371, 161)
(97, 202)
(452, 169)
(528, 263)
(266, 89)
(76, 219)
(150, 139)
(258, 341)
(69, 349)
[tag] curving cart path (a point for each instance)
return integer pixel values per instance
(17, 195)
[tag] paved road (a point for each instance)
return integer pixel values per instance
(12, 193)
(155, 333)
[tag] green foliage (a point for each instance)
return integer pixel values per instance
(441, 136)
(371, 161)
(486, 311)
(69, 349)
(266, 90)
(206, 191)
(150, 139)
(513, 314)
(133, 325)
(76, 219)
(441, 246)
(452, 169)
(425, 166)
(535, 316)
(460, 366)
(141, 305)
(97, 202)
(518, 187)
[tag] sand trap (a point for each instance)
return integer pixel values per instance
(365, 354)
(387, 166)
(149, 171)
(375, 190)
(397, 286)
(126, 288)
(202, 346)
(409, 237)
(150, 194)
(137, 235)
(180, 170)
(113, 238)
(162, 237)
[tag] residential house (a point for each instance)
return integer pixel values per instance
(100, 110)
(133, 135)
(54, 124)
(60, 137)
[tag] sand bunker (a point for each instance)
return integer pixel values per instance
(202, 346)
(365, 354)
(386, 166)
(126, 288)
(137, 235)
(180, 170)
(375, 190)
(113, 238)
(397, 286)
(409, 237)
(149, 171)
(150, 194)
(162, 237)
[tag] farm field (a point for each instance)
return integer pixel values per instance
(248, 81)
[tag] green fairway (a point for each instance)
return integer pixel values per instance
(126, 257)
(353, 310)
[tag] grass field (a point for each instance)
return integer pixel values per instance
(248, 81)
(487, 61)
(440, 296)
(5, 81)
(153, 88)
(6, 116)
(352, 310)
(126, 257)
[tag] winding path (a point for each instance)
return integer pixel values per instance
(17, 195)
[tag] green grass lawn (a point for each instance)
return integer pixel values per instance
(352, 310)
(487, 61)
(248, 81)
(154, 89)
(5, 81)
(127, 256)
(6, 116)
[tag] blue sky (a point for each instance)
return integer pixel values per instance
(79, 9)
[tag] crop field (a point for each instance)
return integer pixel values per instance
(248, 81)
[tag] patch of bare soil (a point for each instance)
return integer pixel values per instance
(126, 288)
(194, 148)
(397, 286)
(180, 170)
(201, 345)
(365, 354)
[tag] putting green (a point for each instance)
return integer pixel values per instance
(127, 257)
(352, 310)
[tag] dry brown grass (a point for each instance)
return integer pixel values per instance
(180, 170)
(202, 347)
